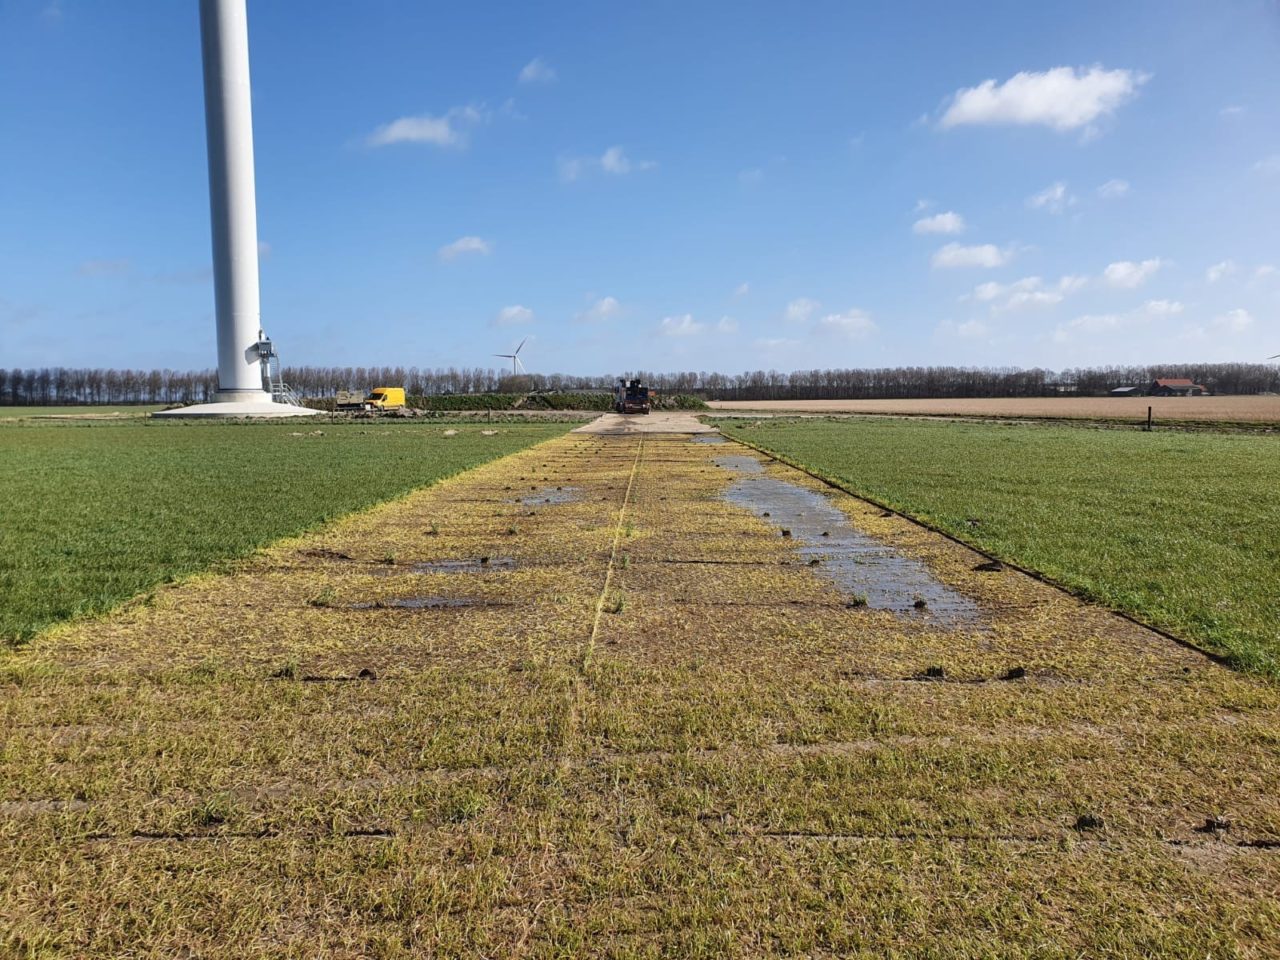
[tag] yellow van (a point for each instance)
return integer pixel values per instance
(385, 398)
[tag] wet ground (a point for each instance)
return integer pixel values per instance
(559, 494)
(695, 686)
(869, 572)
(416, 603)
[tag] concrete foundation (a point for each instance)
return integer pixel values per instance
(255, 409)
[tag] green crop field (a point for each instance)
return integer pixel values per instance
(94, 513)
(1180, 530)
(85, 411)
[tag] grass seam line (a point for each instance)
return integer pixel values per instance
(835, 484)
(613, 557)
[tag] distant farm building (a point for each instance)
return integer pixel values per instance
(1176, 387)
(1127, 392)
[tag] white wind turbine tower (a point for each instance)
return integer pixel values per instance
(516, 366)
(243, 350)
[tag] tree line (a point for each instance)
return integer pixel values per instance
(48, 386)
(959, 382)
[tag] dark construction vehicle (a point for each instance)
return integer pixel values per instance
(631, 396)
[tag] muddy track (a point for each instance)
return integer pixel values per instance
(631, 683)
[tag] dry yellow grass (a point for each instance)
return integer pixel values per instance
(652, 730)
(1212, 409)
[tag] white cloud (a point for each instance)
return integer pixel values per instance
(1088, 323)
(1053, 198)
(801, 309)
(1162, 308)
(448, 130)
(613, 161)
(988, 291)
(1113, 189)
(536, 71)
(571, 168)
(606, 308)
(426, 129)
(727, 325)
(1027, 292)
(1264, 270)
(969, 330)
(465, 245)
(1127, 274)
(949, 222)
(681, 326)
(1224, 325)
(853, 324)
(742, 289)
(751, 177)
(1061, 98)
(1225, 268)
(776, 343)
(1095, 323)
(922, 205)
(513, 315)
(981, 255)
(1236, 321)
(1269, 164)
(1232, 110)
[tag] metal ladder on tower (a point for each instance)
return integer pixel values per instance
(280, 391)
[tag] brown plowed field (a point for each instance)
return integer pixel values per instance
(1209, 409)
(578, 703)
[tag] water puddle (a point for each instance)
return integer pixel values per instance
(478, 565)
(740, 463)
(552, 495)
(324, 553)
(859, 565)
(419, 603)
(709, 438)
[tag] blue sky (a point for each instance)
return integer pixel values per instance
(729, 186)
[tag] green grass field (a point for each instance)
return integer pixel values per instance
(1180, 530)
(83, 410)
(93, 513)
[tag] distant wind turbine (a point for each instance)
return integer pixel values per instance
(516, 366)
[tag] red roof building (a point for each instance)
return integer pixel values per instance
(1176, 387)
